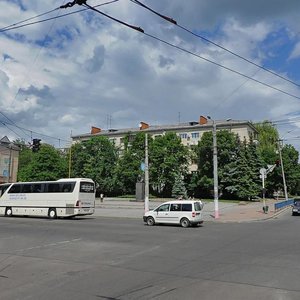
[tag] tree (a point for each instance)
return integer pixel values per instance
(46, 164)
(227, 143)
(178, 189)
(268, 137)
(129, 165)
(167, 157)
(25, 159)
(268, 140)
(290, 157)
(240, 178)
(96, 159)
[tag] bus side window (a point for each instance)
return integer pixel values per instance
(53, 188)
(66, 188)
(36, 188)
(26, 188)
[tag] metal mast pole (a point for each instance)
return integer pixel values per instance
(215, 169)
(146, 175)
(282, 170)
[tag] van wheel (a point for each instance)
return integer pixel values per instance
(184, 222)
(8, 212)
(150, 221)
(52, 213)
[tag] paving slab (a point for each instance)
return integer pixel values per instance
(228, 211)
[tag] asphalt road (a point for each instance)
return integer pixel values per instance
(106, 258)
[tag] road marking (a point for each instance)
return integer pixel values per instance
(49, 245)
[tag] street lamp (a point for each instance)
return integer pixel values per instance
(215, 168)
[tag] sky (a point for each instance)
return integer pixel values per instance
(58, 78)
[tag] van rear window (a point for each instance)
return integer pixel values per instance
(197, 206)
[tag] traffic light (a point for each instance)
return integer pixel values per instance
(277, 163)
(36, 145)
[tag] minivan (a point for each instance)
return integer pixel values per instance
(183, 212)
(296, 207)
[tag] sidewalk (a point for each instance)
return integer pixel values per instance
(249, 211)
(228, 211)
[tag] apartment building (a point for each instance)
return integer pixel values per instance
(189, 132)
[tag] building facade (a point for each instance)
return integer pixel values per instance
(190, 133)
(9, 160)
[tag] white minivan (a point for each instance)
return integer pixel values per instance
(183, 212)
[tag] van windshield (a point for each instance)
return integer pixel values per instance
(164, 207)
(297, 203)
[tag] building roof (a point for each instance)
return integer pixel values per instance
(193, 125)
(5, 142)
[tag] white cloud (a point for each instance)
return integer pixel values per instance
(76, 71)
(296, 52)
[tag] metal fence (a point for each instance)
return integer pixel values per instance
(283, 204)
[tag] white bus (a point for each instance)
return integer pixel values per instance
(62, 198)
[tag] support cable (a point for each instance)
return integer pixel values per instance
(16, 25)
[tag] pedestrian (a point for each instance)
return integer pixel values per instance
(101, 197)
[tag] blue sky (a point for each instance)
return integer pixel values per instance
(85, 70)
(278, 47)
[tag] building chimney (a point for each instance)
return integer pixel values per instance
(143, 125)
(95, 130)
(202, 120)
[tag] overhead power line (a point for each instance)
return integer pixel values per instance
(31, 131)
(4, 124)
(158, 39)
(191, 53)
(11, 122)
(224, 67)
(112, 18)
(213, 43)
(37, 16)
(17, 25)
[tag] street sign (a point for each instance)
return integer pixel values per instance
(262, 171)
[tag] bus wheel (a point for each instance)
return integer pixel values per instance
(8, 212)
(52, 213)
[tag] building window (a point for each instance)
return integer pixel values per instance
(195, 135)
(157, 136)
(183, 135)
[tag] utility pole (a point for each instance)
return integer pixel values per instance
(282, 171)
(9, 165)
(215, 162)
(263, 176)
(70, 160)
(215, 167)
(146, 174)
